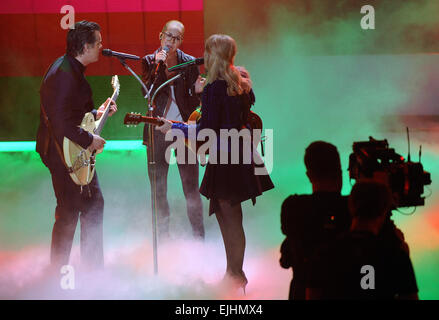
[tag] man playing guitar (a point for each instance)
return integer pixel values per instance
(65, 97)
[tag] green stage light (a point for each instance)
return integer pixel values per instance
(111, 145)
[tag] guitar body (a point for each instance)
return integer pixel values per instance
(195, 116)
(254, 120)
(80, 159)
(193, 119)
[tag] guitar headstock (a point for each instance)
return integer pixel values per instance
(132, 119)
(115, 84)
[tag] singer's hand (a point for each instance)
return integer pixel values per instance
(161, 56)
(199, 84)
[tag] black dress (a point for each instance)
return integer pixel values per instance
(234, 182)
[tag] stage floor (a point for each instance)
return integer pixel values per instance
(187, 269)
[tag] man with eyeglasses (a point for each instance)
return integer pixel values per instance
(174, 102)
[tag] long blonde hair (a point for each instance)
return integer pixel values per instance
(219, 56)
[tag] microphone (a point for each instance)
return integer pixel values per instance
(166, 49)
(161, 62)
(110, 53)
(159, 67)
(182, 66)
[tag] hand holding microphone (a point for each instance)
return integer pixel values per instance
(160, 58)
(162, 55)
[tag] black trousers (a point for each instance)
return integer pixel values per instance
(189, 179)
(72, 204)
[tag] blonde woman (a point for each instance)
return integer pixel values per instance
(226, 100)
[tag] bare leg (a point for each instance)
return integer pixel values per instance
(230, 221)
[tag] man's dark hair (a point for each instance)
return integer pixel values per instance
(322, 160)
(370, 199)
(84, 32)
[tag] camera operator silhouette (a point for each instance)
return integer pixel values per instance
(309, 221)
(360, 264)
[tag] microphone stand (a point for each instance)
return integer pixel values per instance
(122, 61)
(151, 151)
(164, 84)
(151, 160)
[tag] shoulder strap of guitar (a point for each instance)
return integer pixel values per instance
(58, 147)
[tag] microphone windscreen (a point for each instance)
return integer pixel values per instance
(106, 52)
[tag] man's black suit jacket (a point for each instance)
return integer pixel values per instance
(66, 96)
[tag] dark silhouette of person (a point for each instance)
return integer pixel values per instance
(310, 220)
(360, 264)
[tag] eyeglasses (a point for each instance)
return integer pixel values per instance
(171, 37)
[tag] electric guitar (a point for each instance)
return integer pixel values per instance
(253, 121)
(82, 161)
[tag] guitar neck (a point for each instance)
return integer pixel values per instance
(104, 116)
(154, 121)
